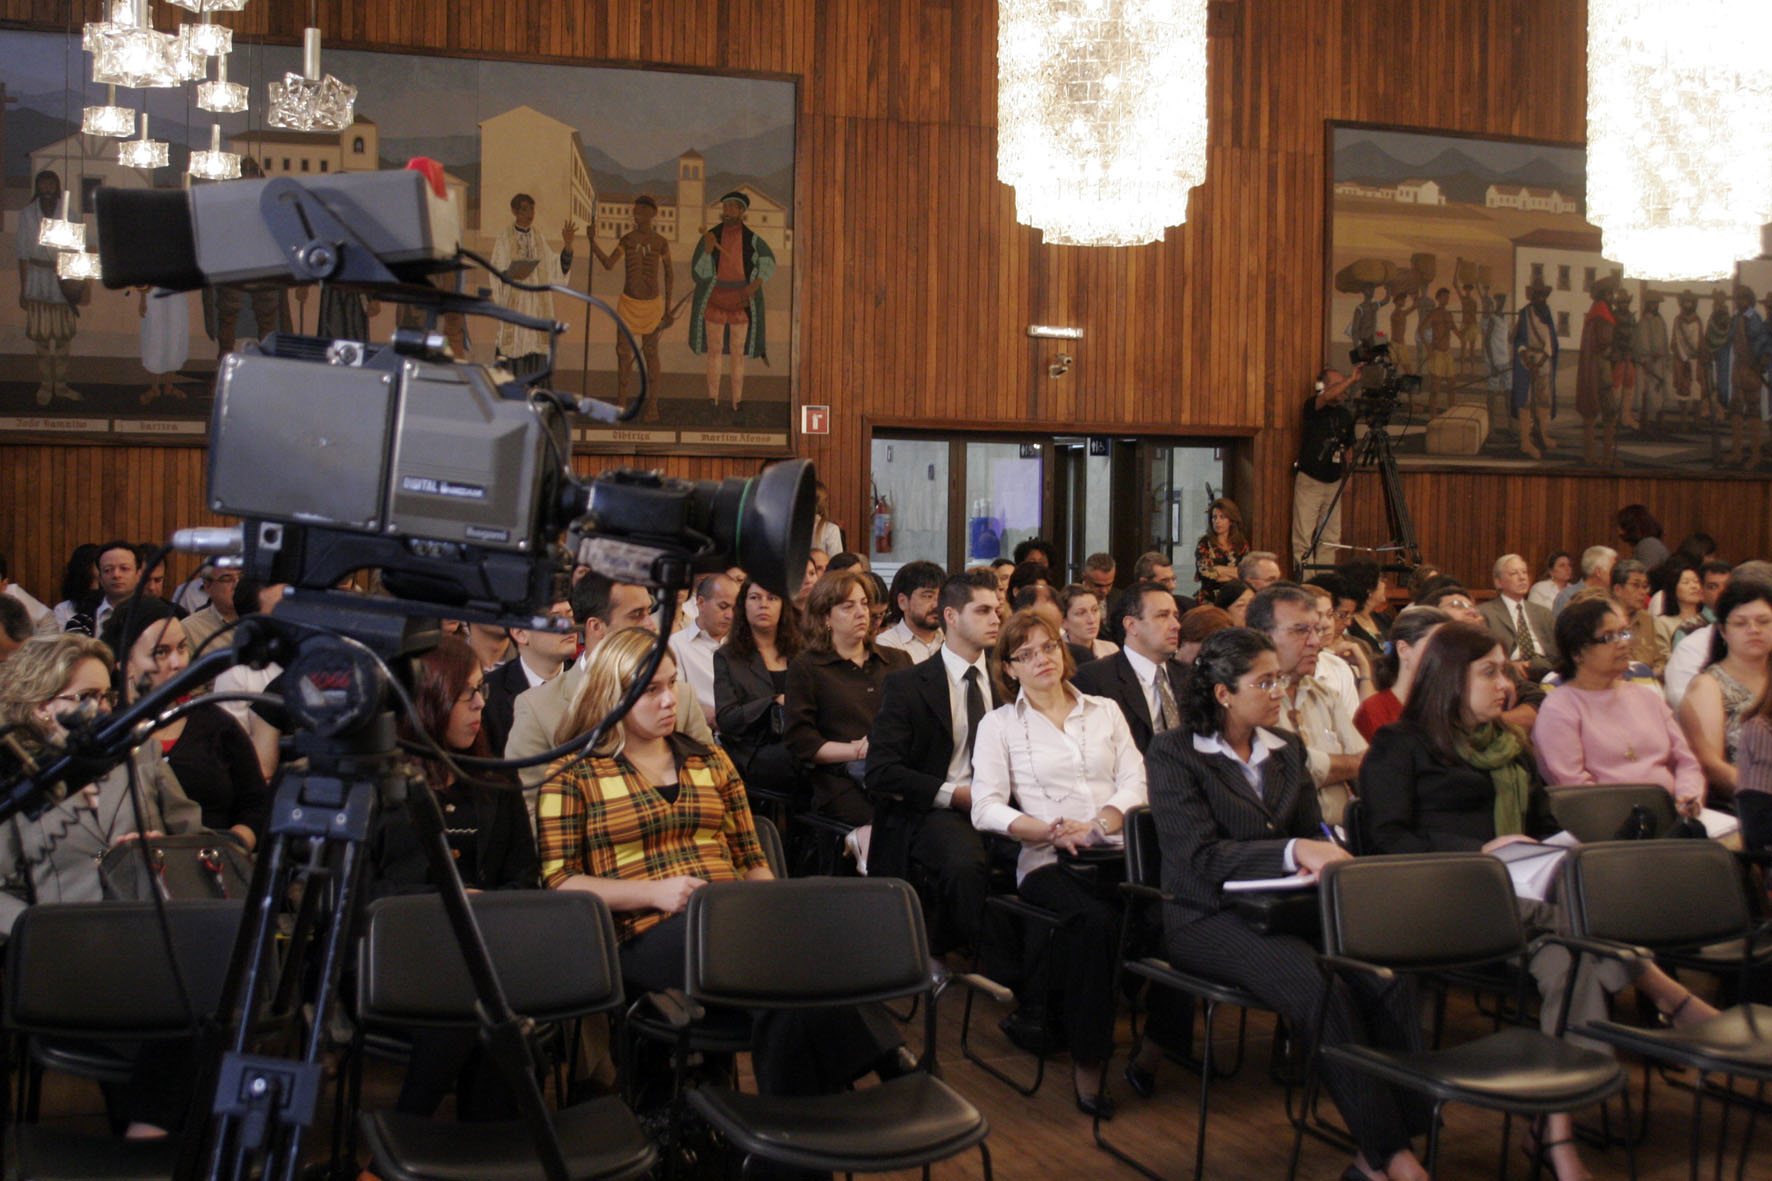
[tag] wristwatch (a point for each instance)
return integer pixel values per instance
(1101, 823)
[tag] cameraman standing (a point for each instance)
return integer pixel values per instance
(1328, 436)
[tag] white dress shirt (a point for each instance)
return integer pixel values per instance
(1052, 774)
(1516, 611)
(900, 636)
(694, 650)
(1261, 744)
(42, 618)
(1687, 661)
(959, 773)
(1146, 672)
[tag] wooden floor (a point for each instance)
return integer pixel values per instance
(1248, 1139)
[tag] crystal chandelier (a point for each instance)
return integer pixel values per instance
(310, 101)
(109, 119)
(77, 264)
(207, 38)
(210, 5)
(143, 152)
(122, 16)
(215, 164)
(130, 52)
(1679, 135)
(63, 231)
(1101, 115)
(221, 96)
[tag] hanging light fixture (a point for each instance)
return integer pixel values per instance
(77, 264)
(310, 101)
(133, 53)
(109, 119)
(210, 5)
(215, 164)
(143, 152)
(1679, 135)
(1101, 115)
(207, 38)
(121, 15)
(63, 231)
(221, 96)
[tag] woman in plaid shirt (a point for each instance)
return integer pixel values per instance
(649, 818)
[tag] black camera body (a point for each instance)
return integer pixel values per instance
(1382, 388)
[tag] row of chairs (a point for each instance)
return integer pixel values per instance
(90, 972)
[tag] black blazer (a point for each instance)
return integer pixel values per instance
(909, 748)
(503, 684)
(1417, 802)
(505, 851)
(1112, 677)
(1212, 827)
(744, 700)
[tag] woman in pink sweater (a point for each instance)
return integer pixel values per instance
(1598, 728)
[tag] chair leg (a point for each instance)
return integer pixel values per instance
(984, 1155)
(1747, 1137)
(1205, 1092)
(1507, 1131)
(1697, 1127)
(1433, 1138)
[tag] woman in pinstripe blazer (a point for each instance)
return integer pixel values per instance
(1232, 799)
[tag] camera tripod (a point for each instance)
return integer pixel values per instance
(1373, 452)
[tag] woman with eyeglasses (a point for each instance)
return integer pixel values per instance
(1057, 770)
(1453, 776)
(1718, 698)
(1600, 728)
(1233, 800)
(208, 750)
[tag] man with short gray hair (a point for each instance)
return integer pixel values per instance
(1289, 616)
(1260, 569)
(1596, 571)
(1527, 634)
(1630, 590)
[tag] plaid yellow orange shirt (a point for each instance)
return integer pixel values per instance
(603, 819)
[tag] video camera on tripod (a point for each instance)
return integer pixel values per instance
(1382, 388)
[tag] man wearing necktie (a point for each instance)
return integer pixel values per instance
(1290, 616)
(1143, 677)
(1525, 629)
(919, 767)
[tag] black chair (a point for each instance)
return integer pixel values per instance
(817, 944)
(1143, 886)
(1636, 899)
(67, 995)
(555, 954)
(1038, 924)
(1429, 913)
(1598, 812)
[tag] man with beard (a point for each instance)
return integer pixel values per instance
(913, 607)
(730, 266)
(49, 317)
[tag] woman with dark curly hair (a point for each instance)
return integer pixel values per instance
(1220, 548)
(1371, 623)
(1233, 799)
(751, 686)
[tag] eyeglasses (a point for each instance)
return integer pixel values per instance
(1617, 637)
(468, 695)
(1306, 630)
(1458, 604)
(1049, 650)
(1268, 685)
(106, 696)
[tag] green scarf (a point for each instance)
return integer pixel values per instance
(1497, 750)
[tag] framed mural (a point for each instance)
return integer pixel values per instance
(630, 177)
(1472, 259)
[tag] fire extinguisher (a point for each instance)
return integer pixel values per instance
(882, 523)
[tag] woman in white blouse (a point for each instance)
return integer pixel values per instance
(1057, 769)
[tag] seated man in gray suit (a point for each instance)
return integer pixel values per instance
(602, 607)
(1532, 647)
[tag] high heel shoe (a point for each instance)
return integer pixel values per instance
(1096, 1106)
(1143, 1082)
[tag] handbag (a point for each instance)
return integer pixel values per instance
(192, 866)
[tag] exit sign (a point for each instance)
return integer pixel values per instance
(815, 420)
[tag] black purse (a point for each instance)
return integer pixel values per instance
(199, 865)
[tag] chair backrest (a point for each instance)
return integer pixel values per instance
(769, 837)
(1144, 856)
(84, 968)
(1596, 811)
(1658, 894)
(1420, 912)
(805, 942)
(554, 951)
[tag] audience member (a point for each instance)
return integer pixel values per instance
(251, 597)
(191, 594)
(1220, 548)
(1028, 574)
(206, 748)
(1081, 605)
(1524, 629)
(914, 611)
(1156, 567)
(1598, 728)
(1630, 590)
(1259, 569)
(650, 818)
(1559, 572)
(827, 538)
(1233, 599)
(695, 645)
(1003, 568)
(1596, 571)
(1038, 549)
(834, 692)
(1342, 664)
(1044, 601)
(219, 586)
(1753, 780)
(1058, 770)
(1395, 671)
(919, 765)
(15, 626)
(119, 569)
(1451, 775)
(491, 644)
(1718, 697)
(79, 583)
(1233, 800)
(1684, 664)
(1195, 626)
(541, 656)
(750, 690)
(1421, 577)
(1142, 678)
(1713, 576)
(876, 604)
(1321, 717)
(1682, 603)
(847, 560)
(1098, 572)
(1638, 528)
(1371, 619)
(41, 617)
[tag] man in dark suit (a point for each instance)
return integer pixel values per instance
(920, 764)
(1143, 677)
(1534, 648)
(540, 657)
